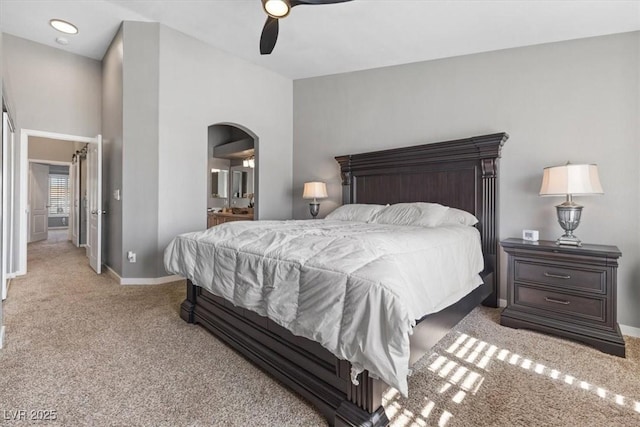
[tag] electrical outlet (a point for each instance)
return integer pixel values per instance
(131, 256)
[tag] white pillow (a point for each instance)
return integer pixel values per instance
(416, 214)
(458, 216)
(355, 212)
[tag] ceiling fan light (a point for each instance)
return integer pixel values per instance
(276, 8)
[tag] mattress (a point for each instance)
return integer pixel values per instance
(356, 288)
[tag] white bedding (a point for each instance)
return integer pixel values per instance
(356, 288)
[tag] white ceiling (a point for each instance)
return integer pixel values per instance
(329, 39)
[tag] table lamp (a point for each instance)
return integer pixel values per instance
(314, 190)
(570, 180)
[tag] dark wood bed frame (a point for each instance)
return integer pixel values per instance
(461, 173)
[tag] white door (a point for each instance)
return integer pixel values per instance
(74, 212)
(94, 193)
(38, 199)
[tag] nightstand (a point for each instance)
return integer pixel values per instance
(564, 290)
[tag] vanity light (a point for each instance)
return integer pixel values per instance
(63, 26)
(249, 162)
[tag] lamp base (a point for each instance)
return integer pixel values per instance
(569, 214)
(314, 208)
(566, 240)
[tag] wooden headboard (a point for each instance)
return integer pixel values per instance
(462, 173)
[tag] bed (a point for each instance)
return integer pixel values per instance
(461, 174)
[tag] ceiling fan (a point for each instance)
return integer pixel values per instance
(277, 9)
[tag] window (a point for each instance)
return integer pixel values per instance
(59, 195)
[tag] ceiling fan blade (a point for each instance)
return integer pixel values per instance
(299, 2)
(269, 36)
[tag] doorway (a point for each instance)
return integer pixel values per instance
(50, 197)
(232, 167)
(81, 205)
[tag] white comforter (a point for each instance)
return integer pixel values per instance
(355, 288)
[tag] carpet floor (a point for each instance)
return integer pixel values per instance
(101, 354)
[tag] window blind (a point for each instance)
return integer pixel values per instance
(59, 195)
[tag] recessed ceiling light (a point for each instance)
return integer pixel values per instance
(63, 26)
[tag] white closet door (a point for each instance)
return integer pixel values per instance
(38, 198)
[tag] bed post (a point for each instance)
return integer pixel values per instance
(345, 175)
(489, 227)
(489, 150)
(188, 305)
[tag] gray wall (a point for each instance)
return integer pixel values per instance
(112, 152)
(201, 86)
(575, 100)
(52, 90)
(140, 149)
(130, 132)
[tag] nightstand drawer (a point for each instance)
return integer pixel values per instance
(560, 275)
(592, 309)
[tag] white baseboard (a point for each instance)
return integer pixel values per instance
(631, 331)
(142, 280)
(502, 303)
(1, 336)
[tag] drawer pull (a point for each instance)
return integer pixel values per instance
(557, 276)
(557, 301)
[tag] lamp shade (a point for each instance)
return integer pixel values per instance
(314, 190)
(570, 179)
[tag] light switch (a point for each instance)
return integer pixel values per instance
(116, 194)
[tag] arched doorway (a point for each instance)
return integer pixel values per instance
(232, 168)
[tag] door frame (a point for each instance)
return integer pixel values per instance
(24, 180)
(5, 253)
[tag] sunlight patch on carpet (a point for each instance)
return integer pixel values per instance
(463, 381)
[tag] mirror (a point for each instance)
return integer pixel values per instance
(219, 183)
(238, 184)
(241, 185)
